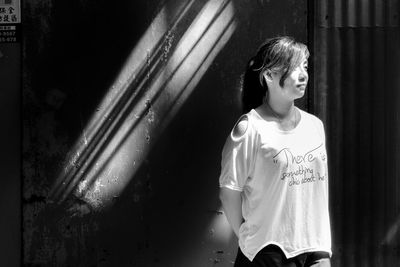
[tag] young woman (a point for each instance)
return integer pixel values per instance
(274, 180)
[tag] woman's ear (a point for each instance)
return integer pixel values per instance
(268, 76)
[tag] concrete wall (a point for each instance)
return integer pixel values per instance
(165, 210)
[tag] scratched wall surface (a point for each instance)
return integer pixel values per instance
(167, 213)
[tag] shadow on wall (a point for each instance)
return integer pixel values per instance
(139, 184)
(155, 81)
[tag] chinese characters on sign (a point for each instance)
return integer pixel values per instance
(10, 19)
(8, 15)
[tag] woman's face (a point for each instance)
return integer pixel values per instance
(294, 85)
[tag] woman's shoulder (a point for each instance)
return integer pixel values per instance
(241, 126)
(312, 121)
(309, 116)
(245, 124)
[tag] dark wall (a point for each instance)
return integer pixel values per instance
(10, 191)
(357, 95)
(168, 214)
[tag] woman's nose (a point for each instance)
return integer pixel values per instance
(303, 76)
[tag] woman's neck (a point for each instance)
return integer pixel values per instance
(282, 110)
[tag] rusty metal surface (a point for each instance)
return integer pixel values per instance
(357, 95)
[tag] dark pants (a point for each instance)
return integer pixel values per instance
(272, 256)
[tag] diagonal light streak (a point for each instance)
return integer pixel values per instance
(111, 130)
(185, 76)
(122, 156)
(216, 47)
(103, 122)
(148, 41)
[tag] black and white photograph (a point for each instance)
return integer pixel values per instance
(200, 133)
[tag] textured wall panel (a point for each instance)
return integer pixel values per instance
(357, 95)
(357, 13)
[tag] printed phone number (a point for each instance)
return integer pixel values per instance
(8, 39)
(7, 34)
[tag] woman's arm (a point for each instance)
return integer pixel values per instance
(232, 204)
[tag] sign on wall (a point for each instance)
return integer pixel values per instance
(10, 21)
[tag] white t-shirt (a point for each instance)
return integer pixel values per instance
(283, 177)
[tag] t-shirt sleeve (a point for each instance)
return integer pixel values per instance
(320, 127)
(322, 130)
(237, 159)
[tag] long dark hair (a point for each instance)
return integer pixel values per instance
(280, 54)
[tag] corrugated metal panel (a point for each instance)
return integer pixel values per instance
(357, 13)
(357, 86)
